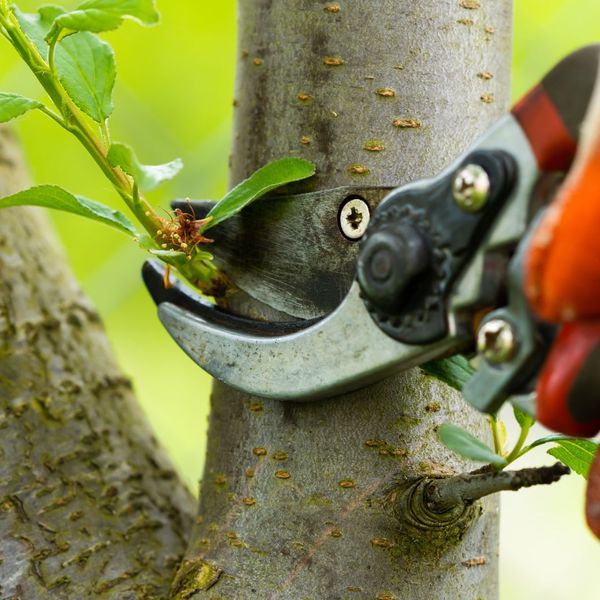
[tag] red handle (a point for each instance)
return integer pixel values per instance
(553, 112)
(568, 389)
(561, 118)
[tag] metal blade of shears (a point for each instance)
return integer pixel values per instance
(347, 350)
(289, 252)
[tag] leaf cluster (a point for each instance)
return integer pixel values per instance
(576, 453)
(78, 71)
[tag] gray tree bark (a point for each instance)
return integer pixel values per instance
(321, 500)
(89, 504)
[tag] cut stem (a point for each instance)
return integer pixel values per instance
(442, 495)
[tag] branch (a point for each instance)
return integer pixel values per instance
(440, 495)
(90, 505)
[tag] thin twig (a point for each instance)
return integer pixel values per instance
(443, 494)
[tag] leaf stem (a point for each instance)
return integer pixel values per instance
(495, 434)
(54, 116)
(105, 132)
(136, 193)
(517, 451)
(51, 52)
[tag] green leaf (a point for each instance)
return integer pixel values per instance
(104, 15)
(555, 437)
(36, 26)
(51, 196)
(85, 64)
(577, 454)
(270, 177)
(87, 69)
(455, 371)
(95, 21)
(203, 256)
(524, 420)
(13, 106)
(463, 443)
(143, 11)
(146, 177)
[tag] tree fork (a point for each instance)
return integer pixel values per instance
(381, 93)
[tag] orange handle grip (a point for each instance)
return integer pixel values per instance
(562, 280)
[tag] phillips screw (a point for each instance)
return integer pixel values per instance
(471, 188)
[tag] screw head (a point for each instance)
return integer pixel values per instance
(354, 218)
(497, 341)
(471, 188)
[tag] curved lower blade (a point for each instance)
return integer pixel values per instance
(340, 353)
(153, 274)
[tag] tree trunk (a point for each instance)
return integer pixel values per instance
(89, 504)
(296, 498)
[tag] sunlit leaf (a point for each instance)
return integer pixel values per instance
(104, 15)
(94, 21)
(147, 177)
(13, 106)
(455, 371)
(463, 443)
(51, 196)
(143, 11)
(270, 177)
(85, 64)
(555, 437)
(87, 69)
(578, 455)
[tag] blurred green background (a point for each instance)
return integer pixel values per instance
(173, 98)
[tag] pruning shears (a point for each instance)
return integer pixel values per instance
(498, 254)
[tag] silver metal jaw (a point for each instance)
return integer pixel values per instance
(347, 349)
(343, 352)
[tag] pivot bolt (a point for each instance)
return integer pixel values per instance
(471, 188)
(497, 341)
(354, 218)
(391, 258)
